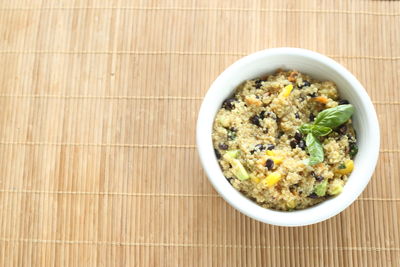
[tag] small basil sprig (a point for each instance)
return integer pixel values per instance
(333, 117)
(324, 123)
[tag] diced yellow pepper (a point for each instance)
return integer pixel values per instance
(348, 167)
(272, 179)
(255, 179)
(277, 160)
(270, 153)
(286, 90)
(274, 157)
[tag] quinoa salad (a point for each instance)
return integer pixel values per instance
(286, 140)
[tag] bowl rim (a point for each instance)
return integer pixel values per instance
(243, 204)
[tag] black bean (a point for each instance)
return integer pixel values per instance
(293, 143)
(298, 136)
(305, 83)
(270, 147)
(317, 177)
(302, 144)
(252, 151)
(296, 115)
(260, 147)
(223, 146)
(343, 102)
(255, 120)
(312, 117)
(262, 115)
(258, 83)
(342, 129)
(228, 104)
(269, 164)
(313, 195)
(217, 154)
(313, 94)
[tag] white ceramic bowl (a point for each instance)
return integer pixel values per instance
(320, 67)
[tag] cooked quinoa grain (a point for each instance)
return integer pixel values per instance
(263, 154)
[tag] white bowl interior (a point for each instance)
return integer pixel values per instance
(319, 67)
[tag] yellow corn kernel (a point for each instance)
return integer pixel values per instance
(291, 204)
(272, 179)
(349, 166)
(286, 90)
(270, 153)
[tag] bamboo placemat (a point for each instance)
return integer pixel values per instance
(98, 104)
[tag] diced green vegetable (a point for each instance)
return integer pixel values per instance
(231, 154)
(320, 189)
(224, 121)
(238, 170)
(336, 187)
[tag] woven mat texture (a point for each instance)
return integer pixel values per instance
(98, 104)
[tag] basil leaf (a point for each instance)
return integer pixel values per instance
(306, 128)
(333, 117)
(318, 130)
(315, 149)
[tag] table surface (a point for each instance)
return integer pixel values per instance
(98, 104)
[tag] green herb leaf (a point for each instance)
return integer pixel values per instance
(333, 117)
(315, 149)
(353, 150)
(342, 166)
(305, 128)
(318, 130)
